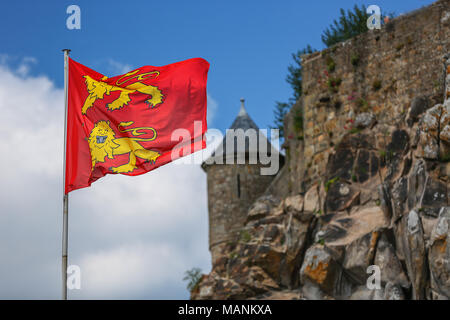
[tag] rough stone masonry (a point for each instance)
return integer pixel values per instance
(366, 179)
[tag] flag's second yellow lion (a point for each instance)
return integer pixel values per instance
(103, 143)
(98, 89)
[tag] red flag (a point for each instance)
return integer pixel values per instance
(124, 124)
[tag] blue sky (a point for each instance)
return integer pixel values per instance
(248, 43)
(133, 238)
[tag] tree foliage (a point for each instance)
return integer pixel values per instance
(193, 278)
(294, 77)
(348, 25)
(281, 108)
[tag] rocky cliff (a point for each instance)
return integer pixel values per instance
(368, 176)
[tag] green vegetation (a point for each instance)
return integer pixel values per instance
(193, 277)
(348, 25)
(294, 78)
(330, 182)
(445, 157)
(298, 122)
(245, 236)
(436, 84)
(387, 155)
(334, 83)
(233, 255)
(281, 108)
(331, 65)
(355, 130)
(362, 104)
(354, 59)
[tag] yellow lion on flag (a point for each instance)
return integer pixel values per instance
(103, 143)
(98, 89)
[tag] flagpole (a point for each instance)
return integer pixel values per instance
(66, 196)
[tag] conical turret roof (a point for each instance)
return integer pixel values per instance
(244, 122)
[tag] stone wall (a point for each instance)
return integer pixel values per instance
(294, 146)
(380, 72)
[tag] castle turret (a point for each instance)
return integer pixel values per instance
(234, 185)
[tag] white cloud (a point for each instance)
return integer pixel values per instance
(25, 66)
(212, 109)
(116, 67)
(133, 237)
(131, 269)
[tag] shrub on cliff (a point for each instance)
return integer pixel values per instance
(193, 278)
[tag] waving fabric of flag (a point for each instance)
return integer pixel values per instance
(125, 124)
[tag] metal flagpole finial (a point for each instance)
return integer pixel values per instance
(242, 112)
(66, 50)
